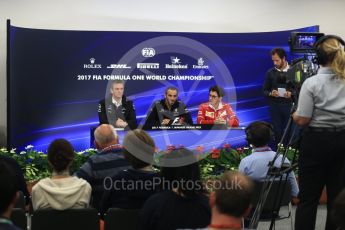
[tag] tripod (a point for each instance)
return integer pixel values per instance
(276, 174)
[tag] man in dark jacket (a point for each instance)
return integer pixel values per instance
(117, 110)
(168, 111)
(278, 92)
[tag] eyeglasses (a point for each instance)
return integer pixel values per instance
(212, 96)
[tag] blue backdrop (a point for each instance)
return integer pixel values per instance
(57, 78)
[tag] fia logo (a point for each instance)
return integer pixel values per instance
(148, 52)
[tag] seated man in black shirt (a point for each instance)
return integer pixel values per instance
(168, 111)
(117, 110)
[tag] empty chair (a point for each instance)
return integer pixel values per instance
(19, 218)
(70, 219)
(274, 200)
(117, 218)
(279, 195)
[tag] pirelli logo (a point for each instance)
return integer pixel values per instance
(148, 65)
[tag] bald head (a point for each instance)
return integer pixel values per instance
(105, 135)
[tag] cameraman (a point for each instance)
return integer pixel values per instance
(321, 108)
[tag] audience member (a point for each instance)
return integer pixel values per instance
(182, 203)
(61, 191)
(230, 201)
(8, 196)
(20, 180)
(106, 163)
(130, 188)
(255, 165)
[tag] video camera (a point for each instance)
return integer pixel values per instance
(301, 68)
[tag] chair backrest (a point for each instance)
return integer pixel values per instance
(279, 189)
(71, 219)
(21, 201)
(19, 218)
(117, 218)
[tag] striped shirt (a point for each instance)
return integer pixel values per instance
(106, 163)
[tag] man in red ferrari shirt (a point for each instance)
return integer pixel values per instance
(215, 111)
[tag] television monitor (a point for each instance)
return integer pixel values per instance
(303, 42)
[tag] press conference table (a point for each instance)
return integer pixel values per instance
(190, 136)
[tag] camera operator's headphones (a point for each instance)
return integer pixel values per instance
(249, 131)
(322, 57)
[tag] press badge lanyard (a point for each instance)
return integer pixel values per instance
(262, 149)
